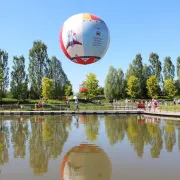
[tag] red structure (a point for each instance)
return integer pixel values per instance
(82, 89)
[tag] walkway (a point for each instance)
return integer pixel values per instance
(84, 112)
(94, 112)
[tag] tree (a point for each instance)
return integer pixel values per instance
(153, 87)
(136, 70)
(68, 90)
(155, 66)
(168, 69)
(129, 71)
(177, 85)
(19, 78)
(121, 84)
(111, 84)
(57, 74)
(145, 75)
(170, 88)
(47, 88)
(4, 73)
(38, 60)
(91, 83)
(133, 88)
(178, 67)
(100, 91)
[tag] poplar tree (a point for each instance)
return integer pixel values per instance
(38, 59)
(19, 78)
(155, 65)
(4, 73)
(168, 69)
(111, 84)
(57, 74)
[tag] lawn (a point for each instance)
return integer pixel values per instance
(27, 105)
(171, 108)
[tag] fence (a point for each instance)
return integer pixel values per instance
(63, 107)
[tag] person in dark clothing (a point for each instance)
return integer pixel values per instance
(77, 105)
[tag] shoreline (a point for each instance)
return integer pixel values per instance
(92, 112)
(82, 112)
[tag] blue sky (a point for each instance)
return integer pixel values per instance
(135, 27)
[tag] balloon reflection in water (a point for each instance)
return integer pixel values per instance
(86, 162)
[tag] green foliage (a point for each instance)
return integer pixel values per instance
(177, 84)
(178, 67)
(133, 87)
(121, 84)
(168, 69)
(145, 75)
(155, 66)
(4, 73)
(47, 88)
(19, 82)
(68, 90)
(170, 88)
(38, 59)
(153, 87)
(114, 84)
(91, 83)
(57, 74)
(100, 91)
(136, 70)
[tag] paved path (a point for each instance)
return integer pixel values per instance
(157, 112)
(93, 112)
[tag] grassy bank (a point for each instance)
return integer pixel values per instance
(171, 108)
(29, 105)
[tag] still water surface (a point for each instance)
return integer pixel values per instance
(89, 148)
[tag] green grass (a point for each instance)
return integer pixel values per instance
(174, 108)
(28, 105)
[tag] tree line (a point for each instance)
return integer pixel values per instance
(46, 78)
(142, 80)
(25, 85)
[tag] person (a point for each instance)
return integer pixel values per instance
(174, 101)
(77, 105)
(77, 121)
(67, 103)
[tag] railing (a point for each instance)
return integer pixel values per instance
(64, 107)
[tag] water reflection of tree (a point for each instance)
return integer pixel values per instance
(155, 139)
(138, 135)
(115, 128)
(92, 127)
(46, 141)
(179, 138)
(4, 143)
(169, 136)
(19, 130)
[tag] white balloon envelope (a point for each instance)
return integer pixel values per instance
(84, 38)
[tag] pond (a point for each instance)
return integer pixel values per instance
(89, 148)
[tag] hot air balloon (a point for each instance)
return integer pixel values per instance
(84, 38)
(86, 162)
